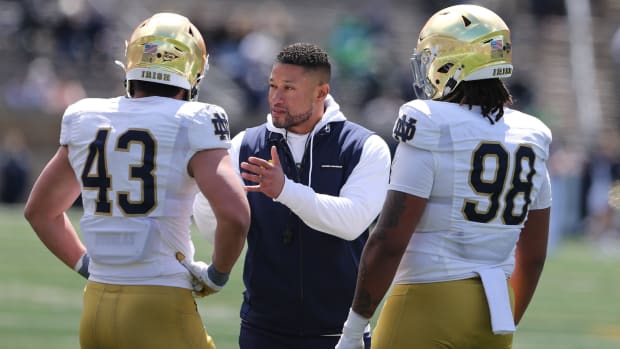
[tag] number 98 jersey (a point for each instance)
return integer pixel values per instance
(480, 179)
(130, 156)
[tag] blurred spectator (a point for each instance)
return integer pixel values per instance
(542, 9)
(522, 95)
(12, 19)
(379, 113)
(615, 46)
(353, 48)
(14, 167)
(601, 173)
(78, 32)
(243, 47)
(615, 55)
(565, 168)
(29, 92)
(43, 89)
(223, 40)
(432, 6)
(33, 19)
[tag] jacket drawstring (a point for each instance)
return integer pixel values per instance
(311, 157)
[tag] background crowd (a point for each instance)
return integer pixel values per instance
(56, 52)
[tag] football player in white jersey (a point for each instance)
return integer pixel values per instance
(462, 236)
(138, 161)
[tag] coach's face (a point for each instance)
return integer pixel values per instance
(296, 97)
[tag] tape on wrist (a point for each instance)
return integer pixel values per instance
(355, 323)
(218, 278)
(82, 266)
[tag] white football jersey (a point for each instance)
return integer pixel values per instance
(130, 156)
(480, 180)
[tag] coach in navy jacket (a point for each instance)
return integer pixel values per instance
(315, 182)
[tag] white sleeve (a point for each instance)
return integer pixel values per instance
(543, 199)
(65, 129)
(202, 132)
(412, 171)
(416, 126)
(361, 197)
(204, 217)
(68, 122)
(203, 214)
(235, 146)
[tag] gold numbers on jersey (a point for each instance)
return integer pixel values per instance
(95, 175)
(499, 196)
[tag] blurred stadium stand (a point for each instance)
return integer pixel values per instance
(55, 52)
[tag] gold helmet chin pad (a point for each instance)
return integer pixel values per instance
(168, 49)
(458, 43)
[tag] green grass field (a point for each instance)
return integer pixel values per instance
(577, 305)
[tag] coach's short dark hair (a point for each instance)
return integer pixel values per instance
(306, 55)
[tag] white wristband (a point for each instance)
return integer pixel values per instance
(355, 324)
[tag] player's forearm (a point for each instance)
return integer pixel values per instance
(530, 256)
(230, 238)
(385, 248)
(52, 194)
(524, 281)
(377, 269)
(58, 235)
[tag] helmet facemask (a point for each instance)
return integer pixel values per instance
(420, 64)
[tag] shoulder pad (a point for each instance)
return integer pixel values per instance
(210, 127)
(416, 127)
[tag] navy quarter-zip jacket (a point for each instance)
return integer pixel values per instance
(298, 280)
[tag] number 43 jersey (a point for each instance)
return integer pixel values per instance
(480, 176)
(130, 156)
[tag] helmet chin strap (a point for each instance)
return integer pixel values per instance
(193, 94)
(120, 64)
(125, 83)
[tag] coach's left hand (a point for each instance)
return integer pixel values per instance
(268, 174)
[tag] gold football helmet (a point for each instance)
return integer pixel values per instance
(462, 42)
(167, 49)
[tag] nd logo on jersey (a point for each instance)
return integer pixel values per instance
(404, 128)
(220, 125)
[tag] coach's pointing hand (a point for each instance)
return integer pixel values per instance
(268, 174)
